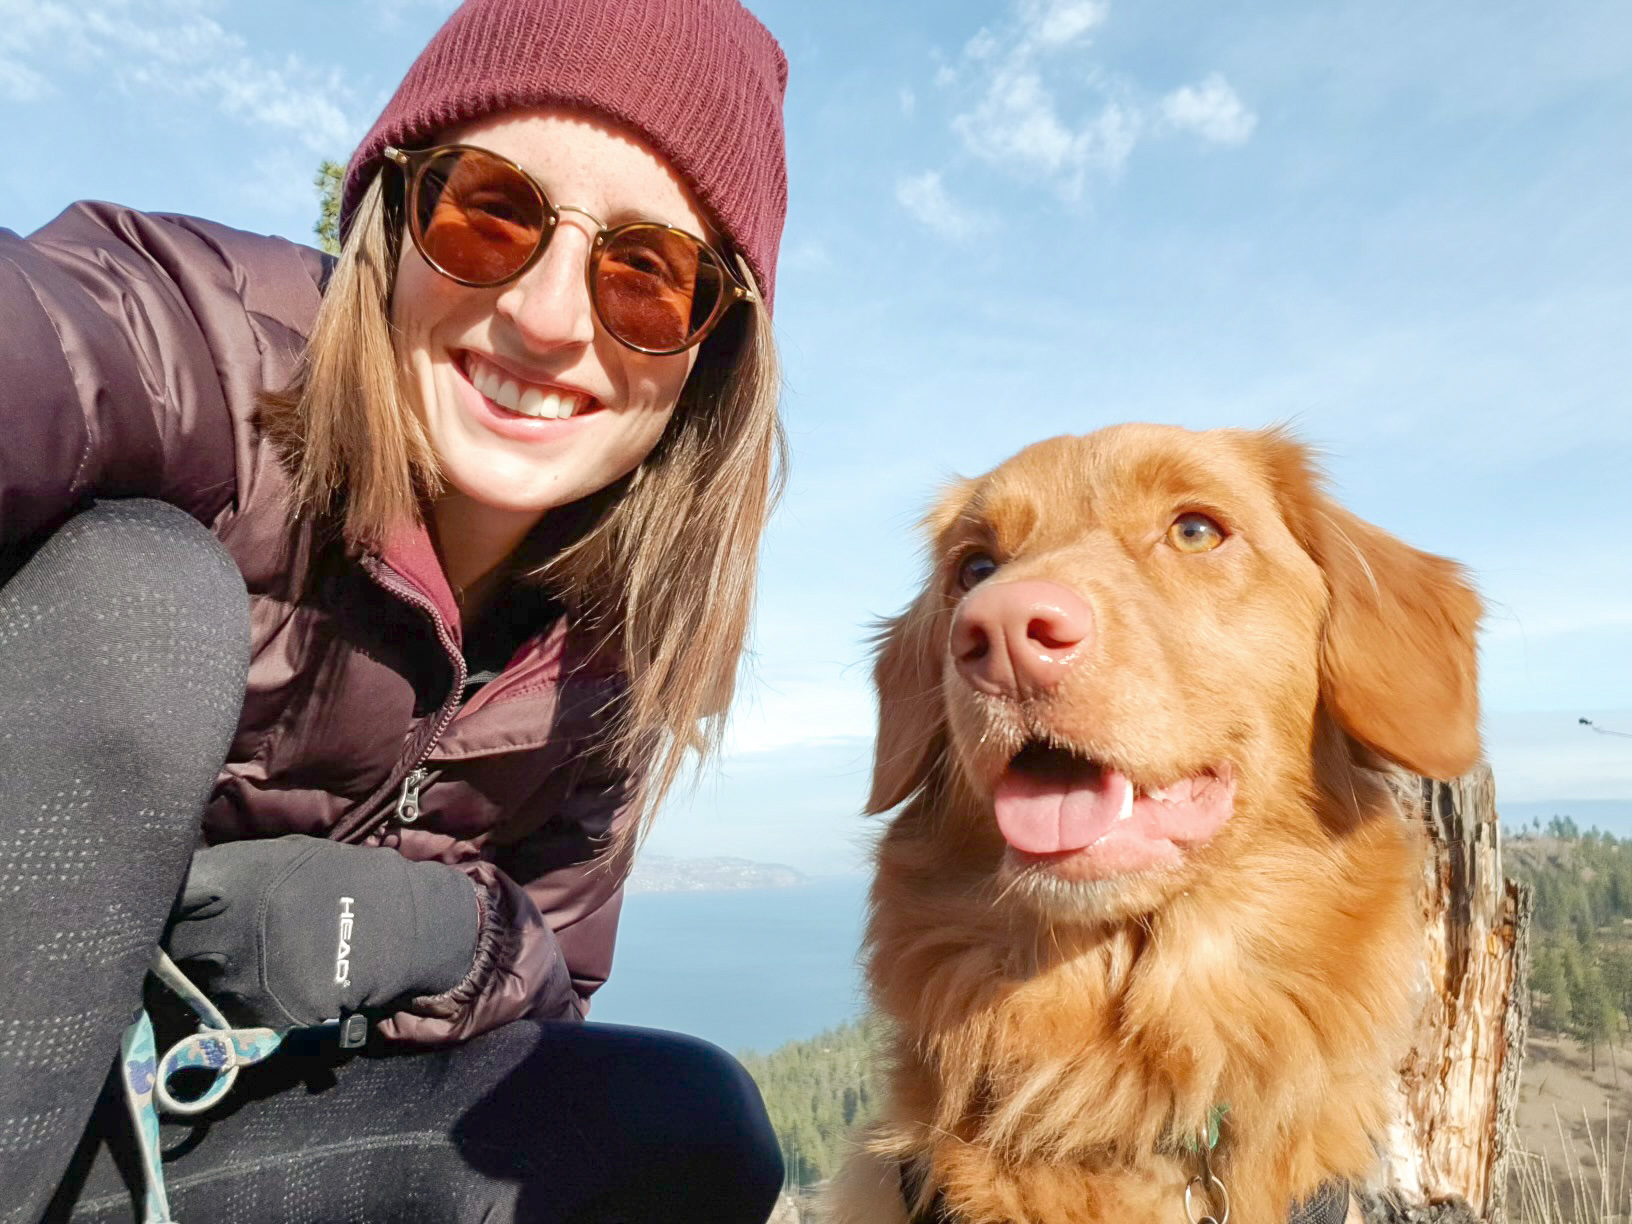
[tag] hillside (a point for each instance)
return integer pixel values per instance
(815, 1092)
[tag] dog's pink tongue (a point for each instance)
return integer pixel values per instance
(1052, 813)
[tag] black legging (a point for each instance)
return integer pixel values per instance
(122, 663)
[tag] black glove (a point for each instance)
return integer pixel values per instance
(297, 930)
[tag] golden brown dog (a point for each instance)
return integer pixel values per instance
(1148, 871)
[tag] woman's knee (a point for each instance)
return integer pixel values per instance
(132, 622)
(664, 1128)
(140, 557)
(708, 1116)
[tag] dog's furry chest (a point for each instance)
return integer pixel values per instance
(1055, 1058)
(1058, 1074)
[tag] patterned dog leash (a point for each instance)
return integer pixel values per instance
(217, 1047)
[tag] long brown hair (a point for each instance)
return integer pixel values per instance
(661, 575)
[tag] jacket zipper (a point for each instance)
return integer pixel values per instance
(408, 784)
(408, 802)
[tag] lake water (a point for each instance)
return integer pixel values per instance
(746, 969)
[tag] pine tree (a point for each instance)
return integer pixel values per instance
(328, 179)
(1548, 979)
(1593, 1016)
(1615, 960)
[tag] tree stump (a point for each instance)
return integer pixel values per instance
(1459, 1086)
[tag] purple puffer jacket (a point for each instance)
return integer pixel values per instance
(132, 349)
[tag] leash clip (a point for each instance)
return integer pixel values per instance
(221, 1052)
(1207, 1180)
(216, 1047)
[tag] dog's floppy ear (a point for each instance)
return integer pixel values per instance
(907, 675)
(1399, 666)
(911, 713)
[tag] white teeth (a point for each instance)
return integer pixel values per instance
(1127, 804)
(1170, 794)
(516, 396)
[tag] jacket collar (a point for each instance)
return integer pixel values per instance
(410, 553)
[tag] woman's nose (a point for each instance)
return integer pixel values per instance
(549, 304)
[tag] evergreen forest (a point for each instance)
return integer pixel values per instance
(1580, 929)
(815, 1092)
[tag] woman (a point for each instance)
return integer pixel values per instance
(495, 481)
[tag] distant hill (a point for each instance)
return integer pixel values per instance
(661, 873)
(1532, 816)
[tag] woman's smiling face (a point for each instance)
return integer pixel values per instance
(469, 357)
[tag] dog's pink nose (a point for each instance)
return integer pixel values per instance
(1014, 639)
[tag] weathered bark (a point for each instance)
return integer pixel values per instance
(1460, 1083)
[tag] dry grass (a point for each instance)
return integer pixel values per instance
(1585, 1183)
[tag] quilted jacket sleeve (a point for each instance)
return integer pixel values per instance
(132, 348)
(527, 966)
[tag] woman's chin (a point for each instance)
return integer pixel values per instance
(491, 494)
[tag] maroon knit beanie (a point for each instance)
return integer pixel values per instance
(701, 80)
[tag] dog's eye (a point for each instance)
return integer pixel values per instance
(1195, 533)
(975, 569)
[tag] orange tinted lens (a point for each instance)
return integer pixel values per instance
(479, 219)
(655, 287)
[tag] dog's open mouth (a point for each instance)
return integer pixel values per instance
(1052, 803)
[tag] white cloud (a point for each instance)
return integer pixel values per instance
(1034, 104)
(27, 29)
(1016, 122)
(983, 46)
(909, 102)
(1212, 110)
(19, 83)
(170, 47)
(925, 198)
(1060, 23)
(292, 97)
(1018, 125)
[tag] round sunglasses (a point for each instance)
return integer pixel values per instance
(481, 220)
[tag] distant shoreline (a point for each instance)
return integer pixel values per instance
(661, 873)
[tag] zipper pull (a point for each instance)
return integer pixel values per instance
(408, 802)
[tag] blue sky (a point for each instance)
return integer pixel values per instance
(1401, 226)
